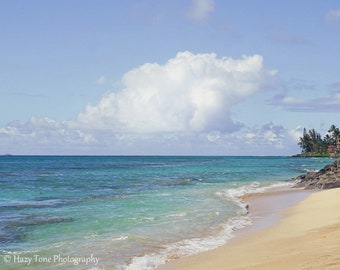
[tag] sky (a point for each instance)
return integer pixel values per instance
(180, 77)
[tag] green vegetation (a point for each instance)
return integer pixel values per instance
(313, 145)
(315, 154)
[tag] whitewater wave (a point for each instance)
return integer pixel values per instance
(193, 246)
(253, 188)
(188, 246)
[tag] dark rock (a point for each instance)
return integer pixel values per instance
(326, 178)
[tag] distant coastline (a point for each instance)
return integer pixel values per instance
(311, 155)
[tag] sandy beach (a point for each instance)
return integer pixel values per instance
(307, 236)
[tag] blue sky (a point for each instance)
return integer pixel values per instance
(189, 77)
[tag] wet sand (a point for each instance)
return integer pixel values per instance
(306, 235)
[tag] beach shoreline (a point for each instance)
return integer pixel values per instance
(302, 235)
(267, 208)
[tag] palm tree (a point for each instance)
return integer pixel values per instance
(335, 137)
(311, 141)
(304, 142)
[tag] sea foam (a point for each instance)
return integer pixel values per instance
(188, 246)
(193, 246)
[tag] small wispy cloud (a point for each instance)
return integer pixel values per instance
(328, 104)
(333, 15)
(101, 80)
(28, 94)
(200, 9)
(280, 37)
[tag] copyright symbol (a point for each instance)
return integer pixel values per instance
(7, 258)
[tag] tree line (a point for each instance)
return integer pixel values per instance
(311, 141)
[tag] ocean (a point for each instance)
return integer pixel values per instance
(127, 212)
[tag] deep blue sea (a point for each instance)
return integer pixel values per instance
(125, 212)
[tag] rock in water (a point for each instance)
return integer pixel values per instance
(326, 178)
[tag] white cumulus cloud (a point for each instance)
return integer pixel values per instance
(43, 136)
(189, 93)
(183, 106)
(269, 138)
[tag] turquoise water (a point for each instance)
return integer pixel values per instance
(70, 212)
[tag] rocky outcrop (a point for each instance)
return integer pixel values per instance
(326, 178)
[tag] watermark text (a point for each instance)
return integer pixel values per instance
(51, 259)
